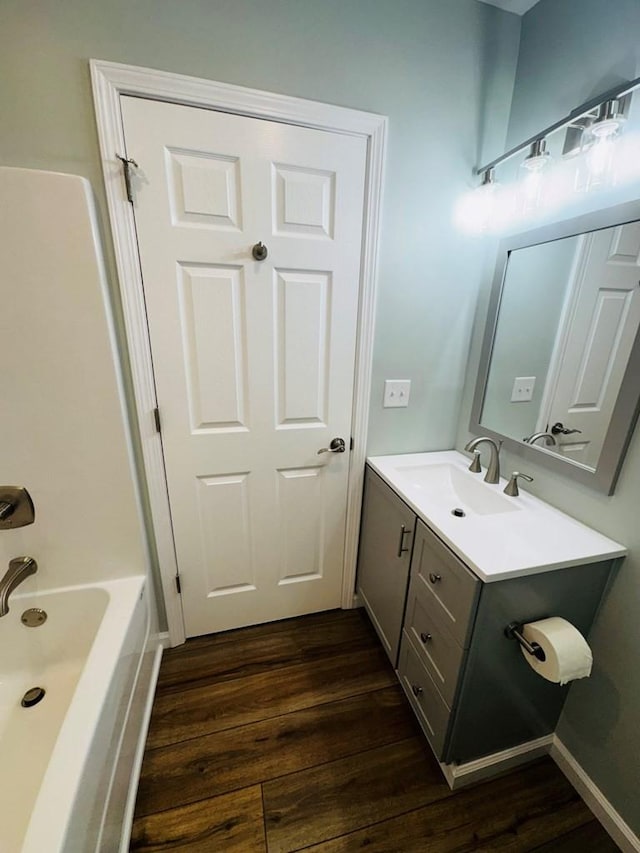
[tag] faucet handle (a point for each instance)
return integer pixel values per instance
(16, 507)
(475, 466)
(511, 488)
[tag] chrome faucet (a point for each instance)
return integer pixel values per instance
(20, 568)
(548, 438)
(493, 470)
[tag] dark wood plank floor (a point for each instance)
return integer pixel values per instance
(296, 736)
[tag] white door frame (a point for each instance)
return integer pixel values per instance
(111, 80)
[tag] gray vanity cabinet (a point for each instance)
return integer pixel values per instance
(471, 689)
(501, 701)
(386, 542)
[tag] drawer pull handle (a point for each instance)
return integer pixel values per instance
(425, 637)
(401, 548)
(417, 690)
(434, 578)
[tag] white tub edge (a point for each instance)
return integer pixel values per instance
(127, 823)
(53, 807)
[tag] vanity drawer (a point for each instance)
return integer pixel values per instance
(454, 588)
(439, 651)
(430, 707)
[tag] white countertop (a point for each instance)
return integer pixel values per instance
(517, 536)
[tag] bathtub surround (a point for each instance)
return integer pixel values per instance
(599, 723)
(63, 434)
(63, 430)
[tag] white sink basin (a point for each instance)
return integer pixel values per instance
(497, 536)
(449, 485)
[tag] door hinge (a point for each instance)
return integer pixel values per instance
(178, 585)
(351, 443)
(127, 163)
(156, 418)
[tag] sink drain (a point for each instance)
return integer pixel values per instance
(459, 513)
(32, 697)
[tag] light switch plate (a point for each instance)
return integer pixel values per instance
(396, 393)
(523, 389)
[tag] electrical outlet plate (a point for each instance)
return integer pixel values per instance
(523, 389)
(396, 393)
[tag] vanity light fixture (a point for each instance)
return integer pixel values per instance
(591, 138)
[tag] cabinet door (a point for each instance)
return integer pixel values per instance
(386, 540)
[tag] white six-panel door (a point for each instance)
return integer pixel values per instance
(603, 320)
(253, 360)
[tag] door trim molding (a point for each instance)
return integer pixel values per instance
(111, 80)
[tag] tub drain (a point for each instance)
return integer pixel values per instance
(32, 697)
(33, 617)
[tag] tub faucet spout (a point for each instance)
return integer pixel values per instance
(493, 470)
(19, 569)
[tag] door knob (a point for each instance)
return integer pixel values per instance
(417, 690)
(434, 578)
(259, 251)
(560, 429)
(336, 445)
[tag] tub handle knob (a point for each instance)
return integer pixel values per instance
(16, 507)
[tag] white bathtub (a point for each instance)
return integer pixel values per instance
(69, 765)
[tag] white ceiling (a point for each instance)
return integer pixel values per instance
(519, 7)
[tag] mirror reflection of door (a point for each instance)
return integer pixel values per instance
(595, 337)
(568, 316)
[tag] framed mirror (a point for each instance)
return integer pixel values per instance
(559, 373)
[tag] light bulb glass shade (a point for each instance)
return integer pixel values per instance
(600, 159)
(531, 183)
(599, 146)
(608, 127)
(609, 121)
(538, 157)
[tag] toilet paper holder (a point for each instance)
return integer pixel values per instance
(514, 632)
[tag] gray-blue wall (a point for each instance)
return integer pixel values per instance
(436, 69)
(572, 50)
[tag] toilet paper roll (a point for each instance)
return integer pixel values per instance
(567, 653)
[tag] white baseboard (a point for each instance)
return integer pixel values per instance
(460, 775)
(489, 766)
(620, 831)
